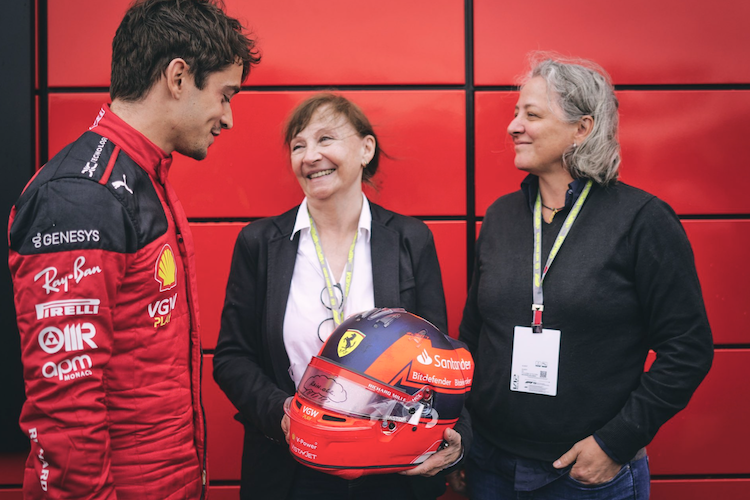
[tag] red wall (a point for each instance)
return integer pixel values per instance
(440, 99)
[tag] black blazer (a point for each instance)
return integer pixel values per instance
(251, 364)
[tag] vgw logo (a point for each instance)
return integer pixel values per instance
(72, 338)
(161, 310)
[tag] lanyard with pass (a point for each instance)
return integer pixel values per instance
(336, 308)
(538, 306)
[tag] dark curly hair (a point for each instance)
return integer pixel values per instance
(154, 32)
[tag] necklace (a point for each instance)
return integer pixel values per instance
(553, 210)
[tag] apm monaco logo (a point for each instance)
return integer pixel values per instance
(349, 341)
(424, 358)
(165, 272)
(72, 338)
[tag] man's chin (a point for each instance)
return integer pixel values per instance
(195, 154)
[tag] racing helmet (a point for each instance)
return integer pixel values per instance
(379, 395)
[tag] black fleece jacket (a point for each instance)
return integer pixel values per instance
(623, 283)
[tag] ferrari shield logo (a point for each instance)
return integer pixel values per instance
(349, 341)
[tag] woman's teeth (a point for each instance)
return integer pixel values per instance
(321, 173)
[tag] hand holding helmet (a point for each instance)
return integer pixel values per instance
(380, 396)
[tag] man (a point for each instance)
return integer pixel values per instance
(102, 262)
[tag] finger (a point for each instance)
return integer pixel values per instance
(452, 437)
(568, 458)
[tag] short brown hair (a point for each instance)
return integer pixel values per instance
(339, 105)
(154, 32)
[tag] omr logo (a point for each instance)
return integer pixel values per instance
(165, 272)
(424, 358)
(72, 338)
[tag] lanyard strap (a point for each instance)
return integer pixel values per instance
(538, 306)
(336, 308)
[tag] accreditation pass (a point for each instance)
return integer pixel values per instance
(536, 357)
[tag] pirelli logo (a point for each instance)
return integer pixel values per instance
(72, 307)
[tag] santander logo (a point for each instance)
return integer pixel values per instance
(424, 358)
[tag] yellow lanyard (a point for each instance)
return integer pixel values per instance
(538, 306)
(336, 308)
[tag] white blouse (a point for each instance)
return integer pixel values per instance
(308, 320)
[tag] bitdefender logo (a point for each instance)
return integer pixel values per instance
(424, 358)
(165, 271)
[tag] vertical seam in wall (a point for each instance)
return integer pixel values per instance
(43, 91)
(470, 155)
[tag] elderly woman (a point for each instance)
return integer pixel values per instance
(577, 277)
(296, 276)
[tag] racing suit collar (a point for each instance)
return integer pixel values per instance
(137, 146)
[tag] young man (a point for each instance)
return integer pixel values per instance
(102, 262)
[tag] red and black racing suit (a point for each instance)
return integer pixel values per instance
(103, 271)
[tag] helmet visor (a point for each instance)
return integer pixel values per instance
(340, 390)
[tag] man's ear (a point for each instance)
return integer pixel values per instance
(176, 75)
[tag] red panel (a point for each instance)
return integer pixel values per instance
(225, 434)
(11, 468)
(80, 41)
(494, 171)
(669, 41)
(247, 172)
(700, 489)
(667, 151)
(450, 240)
(14, 494)
(70, 115)
(224, 492)
(345, 43)
(719, 246)
(214, 244)
(665, 148)
(710, 436)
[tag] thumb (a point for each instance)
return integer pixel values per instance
(567, 459)
(451, 436)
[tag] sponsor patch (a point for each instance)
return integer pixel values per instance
(69, 369)
(63, 237)
(123, 183)
(72, 307)
(54, 284)
(71, 337)
(349, 341)
(90, 167)
(161, 310)
(165, 271)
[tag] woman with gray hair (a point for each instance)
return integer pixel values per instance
(577, 276)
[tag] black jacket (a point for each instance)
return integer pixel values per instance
(623, 283)
(251, 363)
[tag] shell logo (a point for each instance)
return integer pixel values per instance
(165, 272)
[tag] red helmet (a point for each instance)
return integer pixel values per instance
(379, 395)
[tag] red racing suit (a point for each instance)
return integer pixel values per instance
(103, 271)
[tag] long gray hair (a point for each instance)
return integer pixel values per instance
(580, 87)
